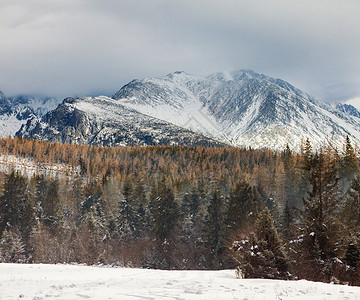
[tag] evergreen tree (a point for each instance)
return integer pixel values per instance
(287, 220)
(40, 189)
(52, 215)
(93, 195)
(16, 210)
(12, 247)
(352, 260)
(190, 204)
(321, 228)
(350, 163)
(214, 230)
(288, 159)
(142, 218)
(350, 214)
(127, 217)
(164, 211)
(77, 195)
(261, 254)
(191, 210)
(242, 207)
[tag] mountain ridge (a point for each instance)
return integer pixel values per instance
(243, 108)
(101, 121)
(239, 108)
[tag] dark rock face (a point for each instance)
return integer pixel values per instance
(102, 122)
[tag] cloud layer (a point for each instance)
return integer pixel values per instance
(84, 47)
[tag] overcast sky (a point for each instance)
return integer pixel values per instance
(90, 47)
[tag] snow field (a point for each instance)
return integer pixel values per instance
(37, 282)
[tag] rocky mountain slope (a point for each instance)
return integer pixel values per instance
(104, 121)
(16, 111)
(242, 108)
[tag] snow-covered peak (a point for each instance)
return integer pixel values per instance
(354, 102)
(221, 76)
(241, 107)
(40, 105)
(106, 122)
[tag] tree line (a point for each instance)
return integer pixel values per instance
(271, 214)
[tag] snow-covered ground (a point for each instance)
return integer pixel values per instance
(81, 282)
(29, 167)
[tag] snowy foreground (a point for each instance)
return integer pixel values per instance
(80, 282)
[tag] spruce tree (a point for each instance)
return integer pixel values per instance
(164, 211)
(127, 217)
(14, 206)
(214, 235)
(320, 226)
(352, 260)
(241, 207)
(52, 215)
(349, 164)
(40, 189)
(261, 254)
(12, 247)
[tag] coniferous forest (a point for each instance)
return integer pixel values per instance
(267, 214)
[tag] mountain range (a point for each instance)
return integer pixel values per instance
(240, 108)
(102, 121)
(16, 111)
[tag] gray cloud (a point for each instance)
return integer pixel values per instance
(84, 47)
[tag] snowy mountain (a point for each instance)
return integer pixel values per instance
(39, 105)
(104, 121)
(242, 108)
(16, 111)
(354, 102)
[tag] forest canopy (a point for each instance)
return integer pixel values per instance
(271, 214)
